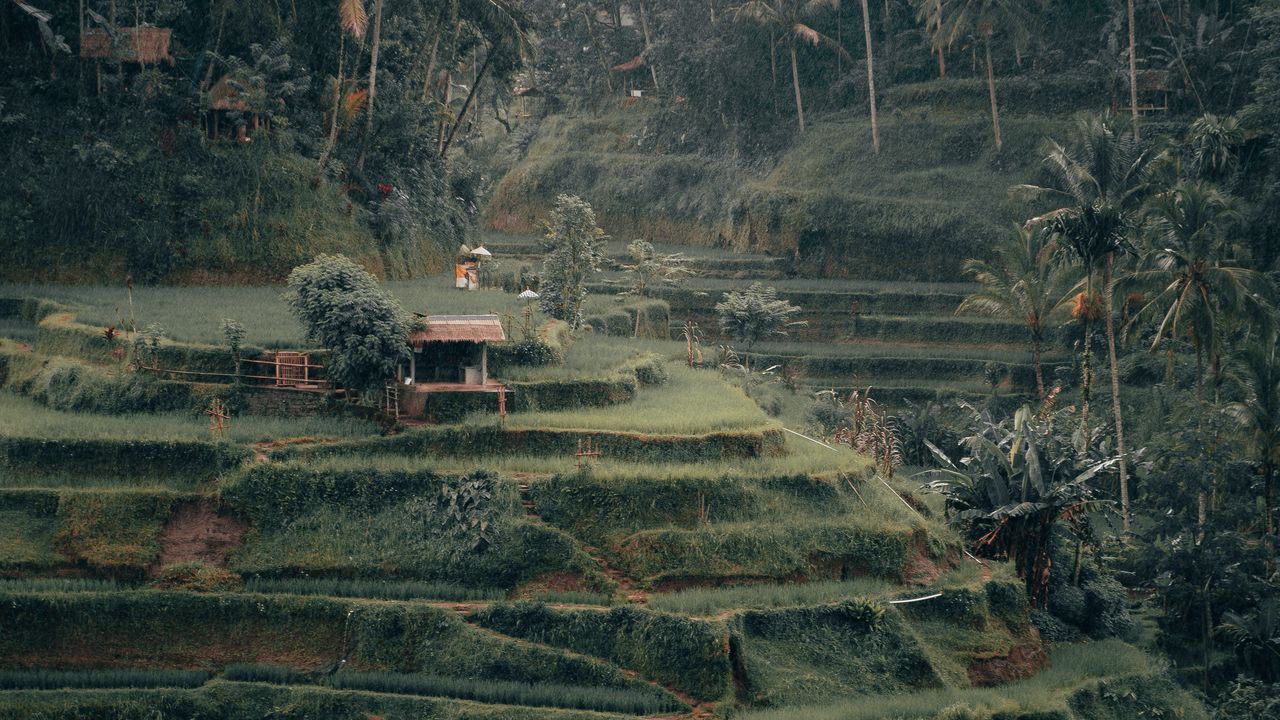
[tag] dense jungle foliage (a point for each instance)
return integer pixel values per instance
(1103, 175)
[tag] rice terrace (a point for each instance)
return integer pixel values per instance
(665, 359)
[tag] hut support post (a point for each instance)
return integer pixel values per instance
(413, 365)
(484, 363)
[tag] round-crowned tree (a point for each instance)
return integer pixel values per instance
(346, 311)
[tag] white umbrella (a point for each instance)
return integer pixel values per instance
(529, 295)
(481, 252)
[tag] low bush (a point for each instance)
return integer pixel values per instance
(816, 548)
(308, 633)
(488, 441)
(687, 654)
(137, 458)
(255, 672)
(853, 647)
(196, 577)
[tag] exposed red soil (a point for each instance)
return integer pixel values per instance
(197, 532)
(1023, 661)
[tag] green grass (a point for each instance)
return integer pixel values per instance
(380, 589)
(113, 678)
(61, 479)
(26, 541)
(59, 585)
(691, 402)
(625, 700)
(20, 416)
(194, 314)
(256, 672)
(710, 601)
(1072, 667)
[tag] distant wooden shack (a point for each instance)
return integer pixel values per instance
(453, 350)
(450, 355)
(143, 45)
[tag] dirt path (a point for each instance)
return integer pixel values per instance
(196, 532)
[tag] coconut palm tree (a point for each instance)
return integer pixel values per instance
(1099, 185)
(1192, 280)
(1195, 281)
(353, 20)
(1024, 281)
(983, 19)
(871, 77)
(787, 19)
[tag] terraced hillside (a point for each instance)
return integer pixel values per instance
(902, 339)
(320, 561)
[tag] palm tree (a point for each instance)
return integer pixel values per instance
(786, 19)
(1196, 284)
(375, 47)
(352, 19)
(1100, 184)
(1193, 283)
(1259, 414)
(929, 13)
(506, 27)
(957, 18)
(1024, 281)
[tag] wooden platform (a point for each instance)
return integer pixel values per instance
(492, 386)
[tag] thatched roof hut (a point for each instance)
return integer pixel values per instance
(144, 44)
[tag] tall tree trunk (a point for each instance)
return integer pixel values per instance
(991, 90)
(373, 82)
(1108, 282)
(1086, 355)
(648, 45)
(773, 58)
(795, 84)
(337, 101)
(475, 88)
(1133, 72)
(871, 77)
(428, 83)
(942, 59)
(1035, 355)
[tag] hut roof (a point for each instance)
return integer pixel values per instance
(143, 44)
(634, 63)
(225, 96)
(459, 328)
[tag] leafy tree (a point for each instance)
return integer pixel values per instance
(1098, 185)
(983, 18)
(1014, 486)
(574, 247)
(755, 314)
(648, 267)
(1024, 282)
(790, 20)
(1258, 414)
(343, 308)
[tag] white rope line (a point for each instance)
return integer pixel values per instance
(926, 597)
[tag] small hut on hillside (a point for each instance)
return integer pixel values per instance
(230, 108)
